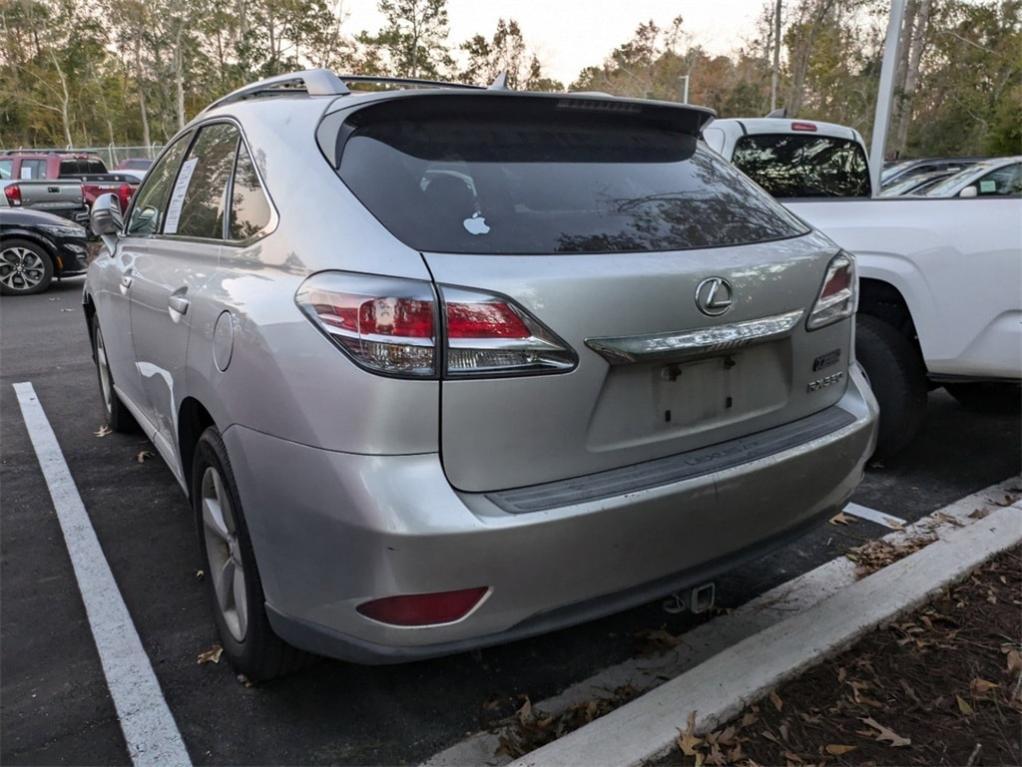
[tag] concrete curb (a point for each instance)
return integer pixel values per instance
(722, 686)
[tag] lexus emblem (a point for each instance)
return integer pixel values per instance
(714, 296)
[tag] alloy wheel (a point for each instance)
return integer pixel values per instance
(21, 269)
(223, 553)
(105, 386)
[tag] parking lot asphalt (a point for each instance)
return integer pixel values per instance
(57, 710)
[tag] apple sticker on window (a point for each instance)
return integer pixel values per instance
(476, 224)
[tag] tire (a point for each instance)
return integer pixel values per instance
(25, 268)
(118, 417)
(235, 589)
(897, 376)
(987, 397)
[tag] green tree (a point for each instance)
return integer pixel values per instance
(414, 39)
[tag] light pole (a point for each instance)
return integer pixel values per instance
(684, 88)
(885, 92)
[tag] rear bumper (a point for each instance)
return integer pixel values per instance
(333, 530)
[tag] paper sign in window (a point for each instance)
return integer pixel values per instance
(987, 186)
(177, 197)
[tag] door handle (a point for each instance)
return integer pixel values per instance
(178, 303)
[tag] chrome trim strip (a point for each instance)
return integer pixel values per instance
(686, 344)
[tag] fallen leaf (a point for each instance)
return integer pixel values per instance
(103, 431)
(1014, 661)
(980, 687)
(524, 713)
(200, 574)
(143, 454)
(784, 730)
(749, 718)
(963, 706)
(659, 638)
(842, 674)
(794, 758)
(835, 750)
(212, 655)
(841, 519)
(727, 736)
(244, 680)
(885, 734)
(687, 740)
(776, 700)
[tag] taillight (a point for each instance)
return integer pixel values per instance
(385, 324)
(423, 609)
(488, 334)
(394, 326)
(837, 296)
(124, 194)
(13, 194)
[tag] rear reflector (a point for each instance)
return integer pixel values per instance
(423, 609)
(811, 127)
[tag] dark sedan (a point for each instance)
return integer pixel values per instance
(35, 247)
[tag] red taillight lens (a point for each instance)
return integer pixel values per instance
(124, 194)
(384, 323)
(837, 295)
(13, 194)
(490, 335)
(423, 609)
(810, 127)
(484, 320)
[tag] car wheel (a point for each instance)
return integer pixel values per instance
(987, 397)
(897, 376)
(25, 268)
(117, 415)
(234, 586)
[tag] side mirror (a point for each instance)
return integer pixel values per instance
(106, 220)
(969, 191)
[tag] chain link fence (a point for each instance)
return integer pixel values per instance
(110, 154)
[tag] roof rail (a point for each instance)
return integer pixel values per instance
(312, 82)
(405, 81)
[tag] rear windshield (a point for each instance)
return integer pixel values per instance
(80, 166)
(560, 182)
(804, 165)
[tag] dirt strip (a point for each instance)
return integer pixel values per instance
(942, 686)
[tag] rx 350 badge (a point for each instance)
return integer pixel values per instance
(823, 383)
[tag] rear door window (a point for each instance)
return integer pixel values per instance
(198, 200)
(32, 169)
(804, 165)
(523, 179)
(150, 204)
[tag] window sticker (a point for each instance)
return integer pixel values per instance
(987, 186)
(177, 198)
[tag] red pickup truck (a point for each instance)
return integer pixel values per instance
(87, 170)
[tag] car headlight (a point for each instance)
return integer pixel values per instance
(63, 230)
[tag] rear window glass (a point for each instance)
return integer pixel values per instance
(558, 182)
(804, 165)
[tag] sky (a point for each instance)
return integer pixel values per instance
(569, 35)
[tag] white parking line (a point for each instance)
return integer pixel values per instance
(149, 729)
(865, 512)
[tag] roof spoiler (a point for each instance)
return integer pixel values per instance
(344, 117)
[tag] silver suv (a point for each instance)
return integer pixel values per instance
(441, 367)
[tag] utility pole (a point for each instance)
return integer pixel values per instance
(775, 75)
(684, 88)
(885, 92)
